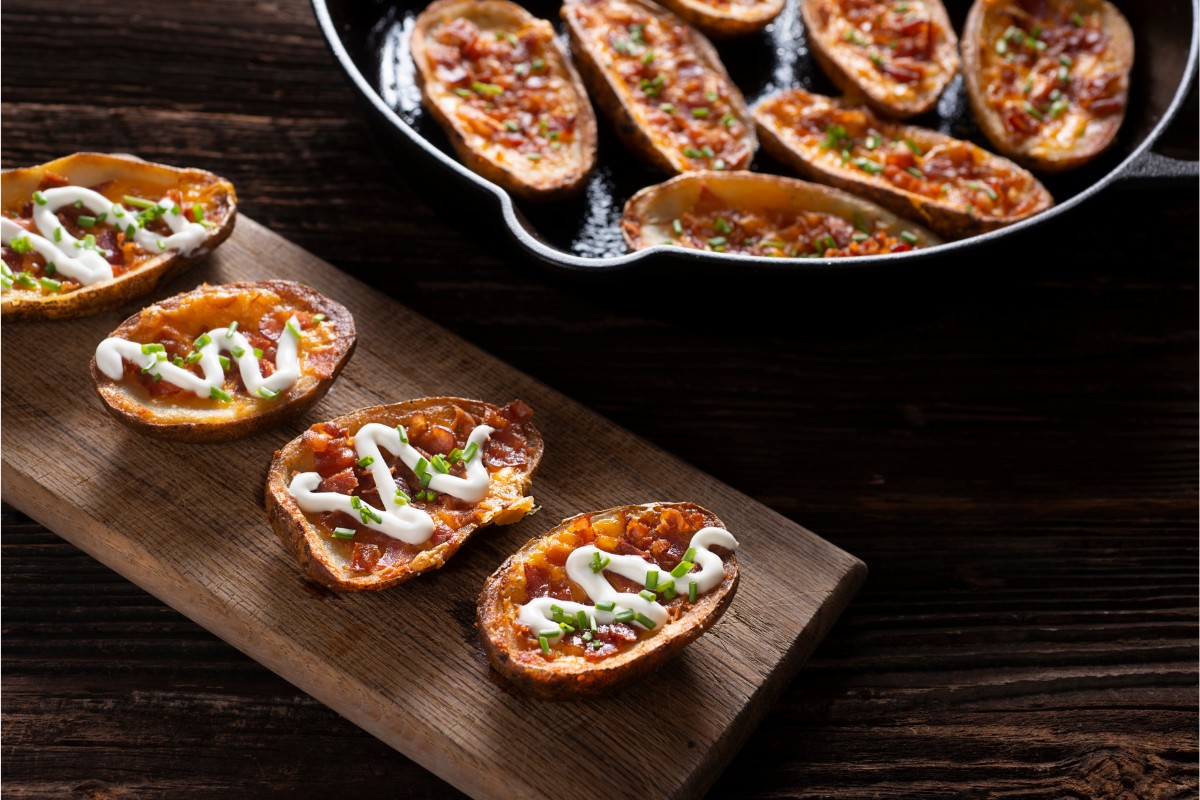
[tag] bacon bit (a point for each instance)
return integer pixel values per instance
(637, 534)
(334, 458)
(463, 424)
(517, 411)
(52, 180)
(343, 482)
(507, 448)
(270, 327)
(900, 72)
(416, 425)
(671, 521)
(537, 581)
(316, 440)
(366, 556)
(434, 439)
(442, 533)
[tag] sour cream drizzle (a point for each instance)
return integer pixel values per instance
(86, 263)
(111, 351)
(397, 518)
(537, 613)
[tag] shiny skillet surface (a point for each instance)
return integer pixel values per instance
(585, 230)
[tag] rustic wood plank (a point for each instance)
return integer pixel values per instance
(186, 523)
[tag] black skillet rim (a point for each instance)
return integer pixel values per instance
(580, 265)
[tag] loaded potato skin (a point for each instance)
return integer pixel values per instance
(383, 494)
(498, 82)
(611, 596)
(1048, 80)
(91, 231)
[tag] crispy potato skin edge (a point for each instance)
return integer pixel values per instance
(300, 537)
(947, 220)
(551, 681)
(554, 187)
(990, 122)
(720, 25)
(130, 412)
(109, 295)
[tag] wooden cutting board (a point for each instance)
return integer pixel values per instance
(186, 523)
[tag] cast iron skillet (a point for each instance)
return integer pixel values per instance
(369, 39)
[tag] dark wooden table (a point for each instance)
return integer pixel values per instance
(1008, 442)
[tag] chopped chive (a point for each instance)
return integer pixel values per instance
(728, 120)
(707, 151)
(690, 555)
(867, 166)
(130, 231)
(454, 456)
(487, 88)
(78, 204)
(1077, 20)
(873, 141)
(624, 615)
(51, 268)
(859, 236)
(401, 498)
(39, 198)
(231, 330)
(597, 645)
(646, 59)
(238, 352)
(203, 341)
(533, 156)
(667, 108)
(366, 461)
(717, 241)
(294, 330)
(138, 202)
(177, 361)
(544, 643)
(258, 353)
(50, 285)
(651, 579)
(511, 126)
(682, 569)
(367, 514)
(538, 64)
(422, 466)
(669, 592)
(983, 187)
(1033, 112)
(343, 533)
(20, 244)
(648, 595)
(700, 113)
(916, 173)
(598, 564)
(587, 635)
(219, 394)
(606, 605)
(721, 225)
(666, 586)
(692, 592)
(58, 234)
(582, 618)
(464, 93)
(1065, 60)
(876, 59)
(194, 357)
(156, 377)
(909, 237)
(147, 349)
(267, 394)
(645, 621)
(677, 226)
(224, 361)
(1059, 107)
(439, 463)
(470, 452)
(692, 152)
(911, 145)
(25, 279)
(566, 627)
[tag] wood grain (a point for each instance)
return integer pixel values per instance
(406, 664)
(1009, 442)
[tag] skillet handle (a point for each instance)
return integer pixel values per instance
(1152, 170)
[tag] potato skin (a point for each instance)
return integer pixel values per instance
(824, 47)
(634, 136)
(532, 184)
(644, 221)
(558, 681)
(721, 24)
(92, 168)
(301, 538)
(129, 410)
(947, 219)
(1024, 152)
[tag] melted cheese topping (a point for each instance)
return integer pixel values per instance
(538, 614)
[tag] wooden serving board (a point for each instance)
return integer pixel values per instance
(186, 523)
